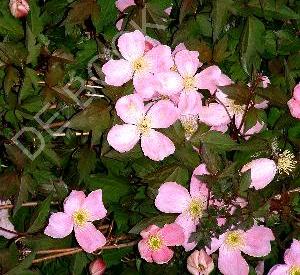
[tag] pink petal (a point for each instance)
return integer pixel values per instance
(280, 269)
(146, 85)
(162, 255)
(157, 146)
(94, 205)
(150, 230)
(119, 24)
(187, 62)
(168, 10)
(123, 137)
(189, 226)
(124, 4)
(263, 171)
(117, 72)
(132, 45)
(197, 187)
(172, 198)
(190, 103)
(296, 92)
(255, 129)
(294, 106)
(231, 262)
(89, 238)
(215, 244)
(258, 241)
(214, 115)
(73, 202)
(178, 48)
(170, 83)
(172, 234)
(292, 255)
(130, 108)
(145, 251)
(60, 225)
(6, 223)
(160, 58)
(162, 114)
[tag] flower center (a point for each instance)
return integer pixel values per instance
(235, 108)
(201, 267)
(295, 270)
(144, 126)
(189, 82)
(234, 239)
(196, 208)
(80, 217)
(286, 162)
(190, 125)
(155, 242)
(139, 65)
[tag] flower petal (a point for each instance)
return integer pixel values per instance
(214, 115)
(162, 114)
(215, 244)
(279, 269)
(6, 224)
(146, 85)
(197, 187)
(162, 255)
(145, 251)
(172, 198)
(190, 103)
(292, 255)
(160, 58)
(89, 238)
(130, 108)
(172, 234)
(157, 146)
(132, 45)
(60, 225)
(94, 205)
(117, 72)
(170, 83)
(124, 4)
(73, 202)
(123, 137)
(231, 262)
(150, 230)
(187, 62)
(258, 241)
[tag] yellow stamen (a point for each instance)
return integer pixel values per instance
(236, 109)
(139, 65)
(234, 239)
(286, 162)
(190, 125)
(155, 242)
(80, 217)
(196, 208)
(295, 270)
(189, 82)
(144, 126)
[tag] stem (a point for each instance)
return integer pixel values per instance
(26, 204)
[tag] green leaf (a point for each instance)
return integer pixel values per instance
(21, 267)
(218, 141)
(86, 163)
(276, 96)
(107, 17)
(80, 262)
(9, 25)
(40, 216)
(237, 92)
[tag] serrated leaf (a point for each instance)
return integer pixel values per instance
(218, 141)
(86, 163)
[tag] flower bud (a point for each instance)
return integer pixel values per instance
(19, 8)
(97, 267)
(199, 263)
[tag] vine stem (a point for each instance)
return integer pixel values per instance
(26, 204)
(75, 250)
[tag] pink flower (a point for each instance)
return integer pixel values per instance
(140, 124)
(199, 263)
(291, 259)
(124, 4)
(174, 198)
(296, 93)
(214, 114)
(154, 245)
(19, 8)
(97, 267)
(79, 213)
(294, 102)
(168, 10)
(5, 222)
(265, 81)
(254, 242)
(136, 63)
(263, 171)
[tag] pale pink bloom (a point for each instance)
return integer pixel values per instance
(97, 267)
(262, 172)
(214, 115)
(140, 124)
(291, 259)
(199, 263)
(154, 245)
(296, 93)
(211, 78)
(254, 242)
(168, 10)
(265, 81)
(178, 48)
(260, 268)
(174, 198)
(124, 4)
(135, 62)
(5, 222)
(19, 8)
(294, 106)
(79, 213)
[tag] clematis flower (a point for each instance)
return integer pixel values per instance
(19, 8)
(140, 124)
(97, 267)
(174, 198)
(79, 213)
(5, 222)
(291, 259)
(294, 102)
(154, 245)
(124, 4)
(263, 171)
(254, 242)
(136, 64)
(199, 263)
